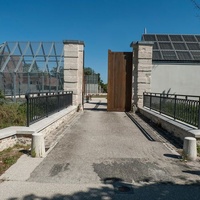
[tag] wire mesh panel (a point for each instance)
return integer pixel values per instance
(31, 67)
(91, 84)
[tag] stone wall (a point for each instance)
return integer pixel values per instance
(73, 69)
(57, 124)
(8, 142)
(13, 140)
(177, 129)
(142, 66)
(47, 126)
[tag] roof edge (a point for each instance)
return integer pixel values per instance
(73, 42)
(141, 43)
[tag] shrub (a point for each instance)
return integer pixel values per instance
(12, 114)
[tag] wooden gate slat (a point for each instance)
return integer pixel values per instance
(119, 81)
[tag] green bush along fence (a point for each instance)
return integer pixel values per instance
(180, 107)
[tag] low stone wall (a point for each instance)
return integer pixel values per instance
(8, 142)
(23, 135)
(176, 128)
(56, 124)
(14, 139)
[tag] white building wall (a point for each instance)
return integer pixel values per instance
(176, 79)
(91, 88)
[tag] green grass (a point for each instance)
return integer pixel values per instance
(9, 156)
(184, 112)
(12, 114)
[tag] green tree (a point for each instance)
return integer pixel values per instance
(104, 86)
(88, 71)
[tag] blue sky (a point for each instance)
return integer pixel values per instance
(101, 24)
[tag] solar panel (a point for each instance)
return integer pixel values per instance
(155, 45)
(193, 46)
(189, 38)
(157, 55)
(169, 55)
(179, 46)
(174, 47)
(149, 37)
(184, 55)
(165, 45)
(198, 37)
(162, 37)
(196, 55)
(176, 38)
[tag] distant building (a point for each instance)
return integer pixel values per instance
(91, 84)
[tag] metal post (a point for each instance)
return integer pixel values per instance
(58, 96)
(27, 110)
(150, 100)
(143, 99)
(42, 82)
(47, 105)
(160, 104)
(14, 86)
(49, 83)
(57, 81)
(175, 108)
(28, 82)
(71, 98)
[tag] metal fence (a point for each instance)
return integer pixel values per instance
(41, 105)
(180, 107)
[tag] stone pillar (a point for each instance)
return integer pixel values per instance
(142, 67)
(190, 148)
(73, 69)
(37, 145)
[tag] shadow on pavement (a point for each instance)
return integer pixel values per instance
(96, 107)
(103, 104)
(154, 191)
(169, 137)
(192, 172)
(173, 156)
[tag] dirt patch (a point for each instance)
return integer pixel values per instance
(9, 156)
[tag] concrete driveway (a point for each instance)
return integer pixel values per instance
(103, 155)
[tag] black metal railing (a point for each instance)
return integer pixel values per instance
(180, 107)
(41, 105)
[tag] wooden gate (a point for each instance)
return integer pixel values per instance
(119, 81)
